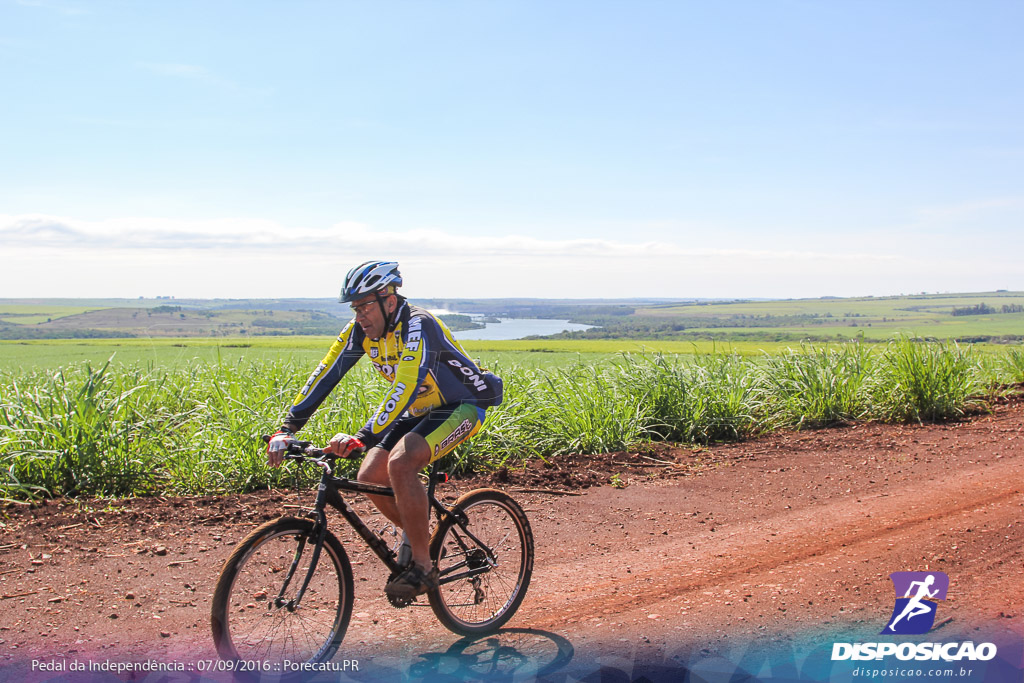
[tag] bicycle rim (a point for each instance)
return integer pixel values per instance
(480, 591)
(259, 620)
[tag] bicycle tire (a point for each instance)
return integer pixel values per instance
(251, 625)
(481, 603)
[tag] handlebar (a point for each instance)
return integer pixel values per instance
(302, 450)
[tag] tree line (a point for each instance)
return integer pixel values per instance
(985, 309)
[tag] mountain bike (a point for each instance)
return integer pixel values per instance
(285, 593)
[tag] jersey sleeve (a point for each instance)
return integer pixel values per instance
(339, 359)
(410, 373)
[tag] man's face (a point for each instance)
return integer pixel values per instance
(368, 314)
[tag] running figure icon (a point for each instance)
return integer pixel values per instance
(917, 596)
(916, 607)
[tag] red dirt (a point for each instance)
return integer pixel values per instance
(701, 557)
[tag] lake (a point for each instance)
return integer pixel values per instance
(517, 328)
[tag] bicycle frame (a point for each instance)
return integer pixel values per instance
(328, 494)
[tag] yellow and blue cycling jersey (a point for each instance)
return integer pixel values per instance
(421, 360)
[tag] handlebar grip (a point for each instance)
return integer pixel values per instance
(298, 449)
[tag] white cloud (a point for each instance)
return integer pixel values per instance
(43, 231)
(56, 256)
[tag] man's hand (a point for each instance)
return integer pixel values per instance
(343, 445)
(278, 446)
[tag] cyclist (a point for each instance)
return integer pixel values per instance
(436, 401)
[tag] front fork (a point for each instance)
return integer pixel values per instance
(320, 531)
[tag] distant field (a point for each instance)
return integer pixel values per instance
(163, 352)
(912, 307)
(169, 353)
(174, 321)
(680, 327)
(149, 318)
(611, 346)
(31, 314)
(877, 318)
(965, 328)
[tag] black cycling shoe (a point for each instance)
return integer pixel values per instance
(412, 582)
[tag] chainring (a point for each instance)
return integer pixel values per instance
(394, 600)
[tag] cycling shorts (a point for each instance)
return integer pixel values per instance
(443, 428)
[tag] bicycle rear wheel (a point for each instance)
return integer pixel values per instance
(484, 567)
(254, 616)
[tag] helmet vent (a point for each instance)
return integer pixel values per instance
(370, 277)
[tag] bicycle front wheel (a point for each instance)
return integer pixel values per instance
(256, 615)
(484, 566)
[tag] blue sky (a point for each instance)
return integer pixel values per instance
(563, 149)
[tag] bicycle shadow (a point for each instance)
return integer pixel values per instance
(511, 654)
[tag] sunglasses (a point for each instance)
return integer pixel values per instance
(362, 309)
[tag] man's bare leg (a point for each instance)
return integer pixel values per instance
(407, 459)
(374, 470)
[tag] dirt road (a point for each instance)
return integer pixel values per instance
(745, 557)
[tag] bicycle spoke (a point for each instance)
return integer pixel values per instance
(484, 567)
(254, 617)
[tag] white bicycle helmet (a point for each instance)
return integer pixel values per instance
(368, 278)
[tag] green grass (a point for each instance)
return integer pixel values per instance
(979, 326)
(161, 352)
(170, 352)
(79, 431)
(816, 386)
(927, 382)
(1010, 368)
(697, 400)
(612, 346)
(177, 421)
